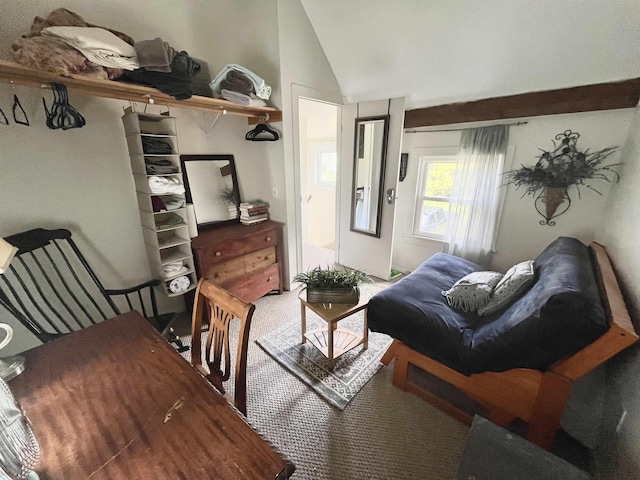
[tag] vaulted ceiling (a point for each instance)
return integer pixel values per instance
(436, 52)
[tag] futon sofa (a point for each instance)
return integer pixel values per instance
(518, 362)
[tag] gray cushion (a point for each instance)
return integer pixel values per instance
(517, 279)
(472, 291)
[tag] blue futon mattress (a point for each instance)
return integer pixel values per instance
(560, 314)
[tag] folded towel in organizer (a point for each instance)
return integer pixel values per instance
(161, 169)
(173, 203)
(260, 87)
(240, 99)
(165, 162)
(98, 45)
(173, 269)
(171, 220)
(165, 186)
(154, 55)
(152, 145)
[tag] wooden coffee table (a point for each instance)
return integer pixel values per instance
(333, 341)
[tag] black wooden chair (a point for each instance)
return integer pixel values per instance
(51, 289)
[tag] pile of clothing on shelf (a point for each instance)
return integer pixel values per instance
(240, 85)
(65, 43)
(163, 68)
(42, 49)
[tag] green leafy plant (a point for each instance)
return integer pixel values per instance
(229, 196)
(564, 166)
(331, 278)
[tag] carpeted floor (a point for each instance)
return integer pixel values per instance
(383, 433)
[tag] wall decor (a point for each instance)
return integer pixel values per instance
(559, 169)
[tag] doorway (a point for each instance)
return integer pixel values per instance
(318, 169)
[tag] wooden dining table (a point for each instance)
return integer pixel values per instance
(116, 401)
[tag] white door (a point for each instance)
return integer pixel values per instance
(358, 250)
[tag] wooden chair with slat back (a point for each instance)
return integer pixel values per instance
(52, 290)
(221, 307)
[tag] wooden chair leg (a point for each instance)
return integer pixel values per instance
(547, 411)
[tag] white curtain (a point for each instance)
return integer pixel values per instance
(476, 200)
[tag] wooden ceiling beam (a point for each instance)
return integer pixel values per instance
(588, 98)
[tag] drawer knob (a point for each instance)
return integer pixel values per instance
(270, 278)
(218, 254)
(268, 239)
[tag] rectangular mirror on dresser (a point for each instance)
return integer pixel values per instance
(211, 186)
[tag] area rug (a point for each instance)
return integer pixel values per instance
(351, 371)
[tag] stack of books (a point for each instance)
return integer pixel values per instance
(233, 212)
(254, 212)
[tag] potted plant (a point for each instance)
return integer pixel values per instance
(557, 170)
(229, 197)
(332, 285)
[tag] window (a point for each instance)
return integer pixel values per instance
(435, 184)
(325, 164)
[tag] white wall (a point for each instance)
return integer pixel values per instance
(80, 179)
(619, 450)
(302, 64)
(521, 236)
(409, 251)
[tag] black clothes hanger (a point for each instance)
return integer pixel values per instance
(62, 115)
(16, 105)
(5, 120)
(258, 134)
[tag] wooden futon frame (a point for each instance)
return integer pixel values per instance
(537, 397)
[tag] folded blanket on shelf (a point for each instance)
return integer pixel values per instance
(63, 17)
(98, 45)
(240, 99)
(260, 87)
(155, 55)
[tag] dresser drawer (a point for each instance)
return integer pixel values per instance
(256, 284)
(223, 251)
(237, 267)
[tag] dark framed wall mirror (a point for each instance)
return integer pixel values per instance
(211, 184)
(368, 174)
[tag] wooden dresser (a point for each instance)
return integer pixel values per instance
(244, 259)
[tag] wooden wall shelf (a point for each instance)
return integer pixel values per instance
(16, 74)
